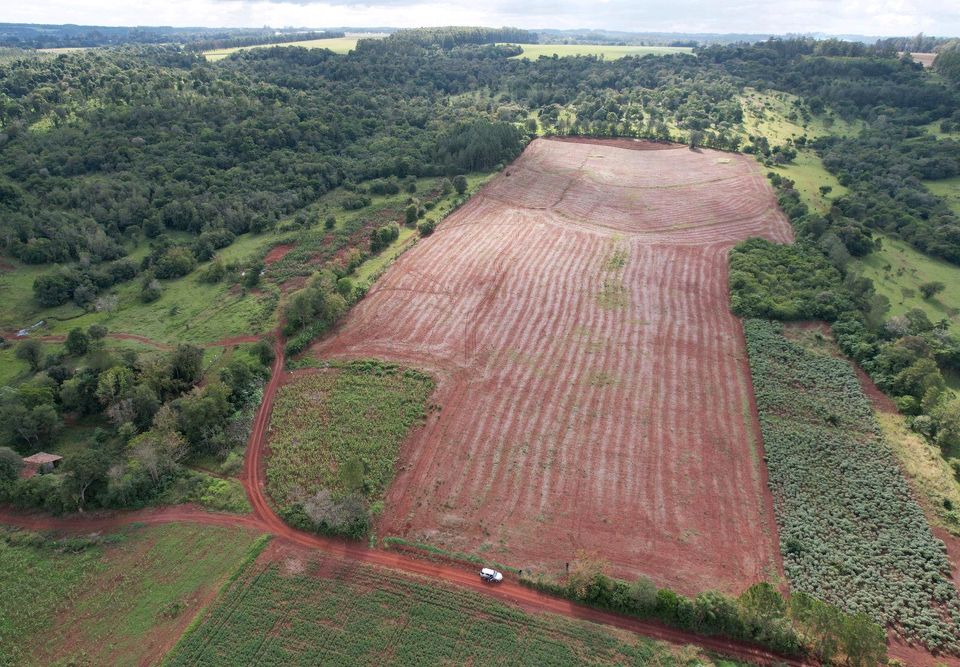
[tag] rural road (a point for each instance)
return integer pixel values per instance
(263, 518)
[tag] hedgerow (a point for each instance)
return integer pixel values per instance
(850, 532)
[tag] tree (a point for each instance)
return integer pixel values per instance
(460, 184)
(84, 474)
(10, 464)
(426, 227)
(931, 289)
(185, 366)
(30, 351)
(97, 332)
(78, 342)
(253, 273)
(175, 262)
(410, 214)
(330, 222)
(825, 190)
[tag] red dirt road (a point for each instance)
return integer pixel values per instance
(594, 387)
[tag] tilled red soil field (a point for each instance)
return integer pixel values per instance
(594, 387)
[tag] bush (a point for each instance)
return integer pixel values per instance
(426, 227)
(10, 464)
(77, 343)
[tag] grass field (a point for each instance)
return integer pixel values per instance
(808, 174)
(776, 115)
(949, 189)
(125, 600)
(773, 114)
(341, 428)
(337, 45)
(332, 612)
(605, 51)
(897, 271)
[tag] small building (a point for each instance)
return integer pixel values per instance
(40, 463)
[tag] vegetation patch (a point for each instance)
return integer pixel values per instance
(335, 437)
(120, 599)
(850, 532)
(898, 272)
(361, 615)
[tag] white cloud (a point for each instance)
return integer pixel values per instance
(869, 17)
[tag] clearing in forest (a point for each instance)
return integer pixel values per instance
(594, 386)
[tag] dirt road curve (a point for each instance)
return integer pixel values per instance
(265, 519)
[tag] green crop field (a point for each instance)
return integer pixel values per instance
(359, 615)
(897, 271)
(340, 429)
(123, 599)
(605, 51)
(839, 492)
(336, 44)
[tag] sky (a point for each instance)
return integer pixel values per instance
(863, 17)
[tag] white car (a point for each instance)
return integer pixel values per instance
(490, 575)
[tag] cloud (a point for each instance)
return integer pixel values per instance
(867, 17)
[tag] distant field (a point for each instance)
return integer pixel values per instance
(608, 52)
(123, 602)
(337, 45)
(897, 272)
(309, 610)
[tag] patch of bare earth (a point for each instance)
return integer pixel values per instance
(594, 386)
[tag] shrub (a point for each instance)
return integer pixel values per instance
(426, 227)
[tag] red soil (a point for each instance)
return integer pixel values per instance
(586, 405)
(277, 253)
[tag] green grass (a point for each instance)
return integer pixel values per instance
(605, 51)
(934, 129)
(774, 115)
(808, 174)
(341, 428)
(110, 603)
(897, 270)
(949, 189)
(336, 44)
(349, 614)
(12, 370)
